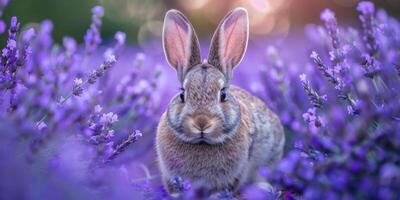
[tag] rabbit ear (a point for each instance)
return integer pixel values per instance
(181, 46)
(229, 42)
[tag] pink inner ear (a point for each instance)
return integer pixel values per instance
(177, 34)
(233, 38)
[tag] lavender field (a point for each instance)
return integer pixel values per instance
(78, 120)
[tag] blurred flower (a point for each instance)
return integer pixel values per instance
(366, 8)
(98, 108)
(311, 118)
(92, 37)
(41, 125)
(367, 18)
(77, 88)
(371, 66)
(69, 45)
(109, 118)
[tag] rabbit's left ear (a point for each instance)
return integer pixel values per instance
(229, 42)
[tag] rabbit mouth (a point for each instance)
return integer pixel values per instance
(201, 139)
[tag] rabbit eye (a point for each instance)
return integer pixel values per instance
(223, 95)
(182, 95)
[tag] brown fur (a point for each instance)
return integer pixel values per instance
(220, 165)
(212, 132)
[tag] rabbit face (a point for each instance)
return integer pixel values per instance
(204, 111)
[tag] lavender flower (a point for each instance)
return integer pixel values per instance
(26, 49)
(46, 27)
(133, 137)
(108, 118)
(98, 108)
(69, 45)
(328, 73)
(338, 51)
(3, 27)
(78, 87)
(367, 18)
(119, 42)
(107, 64)
(139, 60)
(101, 132)
(42, 115)
(370, 66)
(23, 54)
(329, 18)
(3, 4)
(397, 66)
(41, 126)
(12, 58)
(312, 118)
(79, 84)
(178, 184)
(315, 99)
(92, 37)
(10, 52)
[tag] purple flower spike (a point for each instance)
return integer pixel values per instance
(133, 137)
(44, 35)
(328, 16)
(26, 49)
(366, 8)
(70, 45)
(109, 118)
(108, 63)
(370, 66)
(78, 87)
(367, 18)
(315, 99)
(98, 11)
(312, 118)
(3, 26)
(3, 3)
(92, 37)
(28, 35)
(338, 52)
(120, 37)
(10, 56)
(397, 67)
(328, 73)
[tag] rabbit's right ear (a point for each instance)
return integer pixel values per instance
(180, 43)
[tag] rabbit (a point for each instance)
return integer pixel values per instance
(213, 132)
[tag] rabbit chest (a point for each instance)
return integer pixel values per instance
(220, 166)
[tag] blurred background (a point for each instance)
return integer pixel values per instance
(142, 20)
(278, 53)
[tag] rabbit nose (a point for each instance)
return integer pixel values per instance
(201, 122)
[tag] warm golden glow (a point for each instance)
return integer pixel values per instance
(193, 4)
(263, 16)
(262, 6)
(262, 13)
